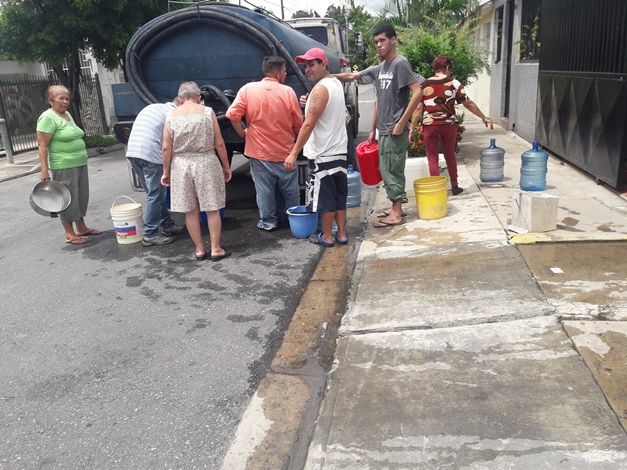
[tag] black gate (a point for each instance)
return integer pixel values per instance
(582, 85)
(23, 99)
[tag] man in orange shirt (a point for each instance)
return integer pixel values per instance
(273, 118)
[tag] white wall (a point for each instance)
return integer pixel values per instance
(479, 88)
(524, 80)
(107, 78)
(13, 68)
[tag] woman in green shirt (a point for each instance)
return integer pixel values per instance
(62, 153)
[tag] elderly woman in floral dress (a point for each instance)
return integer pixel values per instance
(191, 140)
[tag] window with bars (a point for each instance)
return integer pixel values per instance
(498, 20)
(530, 30)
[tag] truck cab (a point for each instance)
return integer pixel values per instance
(328, 31)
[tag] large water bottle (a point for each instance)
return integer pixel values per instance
(354, 188)
(492, 162)
(533, 169)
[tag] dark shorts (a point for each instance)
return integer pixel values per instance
(327, 186)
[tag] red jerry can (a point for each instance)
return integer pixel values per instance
(368, 160)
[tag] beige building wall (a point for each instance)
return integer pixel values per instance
(10, 67)
(479, 88)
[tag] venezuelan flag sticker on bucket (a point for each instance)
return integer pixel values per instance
(127, 221)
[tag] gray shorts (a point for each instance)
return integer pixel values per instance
(77, 181)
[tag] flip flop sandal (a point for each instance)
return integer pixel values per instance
(226, 254)
(91, 231)
(201, 257)
(382, 224)
(340, 242)
(318, 240)
(77, 240)
(383, 214)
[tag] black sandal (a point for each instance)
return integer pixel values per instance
(226, 254)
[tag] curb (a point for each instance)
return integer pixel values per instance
(269, 433)
(94, 152)
(34, 168)
(533, 238)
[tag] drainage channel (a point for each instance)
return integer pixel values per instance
(277, 426)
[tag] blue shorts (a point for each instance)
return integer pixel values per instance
(327, 186)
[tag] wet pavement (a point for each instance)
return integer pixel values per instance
(468, 345)
(120, 356)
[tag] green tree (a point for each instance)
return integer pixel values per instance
(420, 45)
(305, 14)
(55, 31)
(449, 11)
(339, 14)
(434, 31)
(360, 22)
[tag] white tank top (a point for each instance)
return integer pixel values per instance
(329, 134)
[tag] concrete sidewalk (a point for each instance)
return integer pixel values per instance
(27, 163)
(455, 350)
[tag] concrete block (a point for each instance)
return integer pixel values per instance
(533, 212)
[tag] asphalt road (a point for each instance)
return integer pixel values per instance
(120, 356)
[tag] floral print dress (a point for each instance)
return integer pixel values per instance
(196, 176)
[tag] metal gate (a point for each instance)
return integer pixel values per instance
(582, 85)
(23, 99)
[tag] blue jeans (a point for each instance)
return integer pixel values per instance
(149, 176)
(271, 180)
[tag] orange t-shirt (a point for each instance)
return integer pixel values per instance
(273, 118)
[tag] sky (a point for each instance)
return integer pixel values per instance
(290, 6)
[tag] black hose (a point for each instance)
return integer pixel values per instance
(154, 31)
(220, 95)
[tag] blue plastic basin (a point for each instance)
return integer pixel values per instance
(302, 222)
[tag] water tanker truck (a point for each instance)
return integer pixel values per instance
(221, 47)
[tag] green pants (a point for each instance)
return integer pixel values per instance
(392, 156)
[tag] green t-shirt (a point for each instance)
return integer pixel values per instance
(67, 147)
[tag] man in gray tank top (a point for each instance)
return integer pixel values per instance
(393, 80)
(324, 141)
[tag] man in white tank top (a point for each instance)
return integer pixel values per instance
(324, 142)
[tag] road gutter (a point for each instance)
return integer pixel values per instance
(277, 426)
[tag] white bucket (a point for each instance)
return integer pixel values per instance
(127, 221)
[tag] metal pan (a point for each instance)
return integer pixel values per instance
(50, 197)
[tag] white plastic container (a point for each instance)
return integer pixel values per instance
(127, 221)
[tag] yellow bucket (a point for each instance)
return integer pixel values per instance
(431, 197)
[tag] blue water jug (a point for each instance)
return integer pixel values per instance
(533, 169)
(354, 188)
(492, 162)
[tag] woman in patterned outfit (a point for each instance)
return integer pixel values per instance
(440, 93)
(191, 140)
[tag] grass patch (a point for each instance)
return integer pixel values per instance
(95, 141)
